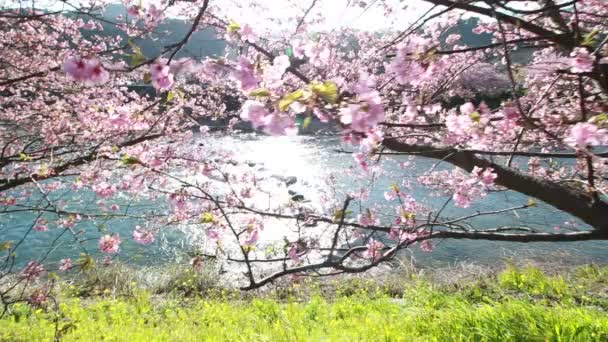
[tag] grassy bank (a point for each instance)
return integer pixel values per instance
(515, 305)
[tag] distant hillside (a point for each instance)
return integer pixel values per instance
(202, 43)
(471, 39)
(206, 42)
(468, 37)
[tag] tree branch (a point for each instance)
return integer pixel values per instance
(573, 201)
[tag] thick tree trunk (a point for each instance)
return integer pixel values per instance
(573, 201)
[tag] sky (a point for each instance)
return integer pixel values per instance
(337, 13)
(366, 15)
(363, 15)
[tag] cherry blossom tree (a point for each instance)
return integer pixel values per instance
(73, 121)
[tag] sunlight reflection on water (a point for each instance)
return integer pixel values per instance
(311, 160)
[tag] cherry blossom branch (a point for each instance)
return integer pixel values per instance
(525, 237)
(10, 184)
(177, 46)
(565, 41)
(342, 214)
(27, 77)
(573, 201)
(301, 21)
(495, 153)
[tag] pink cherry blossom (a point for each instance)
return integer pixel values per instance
(279, 124)
(7, 201)
(487, 175)
(41, 225)
(585, 134)
(293, 253)
(374, 249)
(104, 190)
(402, 235)
(134, 10)
(109, 244)
(406, 66)
(252, 238)
(317, 53)
(368, 219)
(98, 75)
(254, 112)
(582, 60)
(427, 246)
(76, 68)
(162, 78)
(392, 194)
(247, 34)
(32, 271)
(372, 140)
(142, 236)
(363, 116)
(361, 159)
(414, 95)
(298, 49)
(465, 188)
(65, 264)
(463, 195)
(159, 68)
(272, 74)
(153, 17)
(511, 113)
(213, 234)
(163, 82)
(244, 75)
(87, 70)
(458, 124)
(70, 221)
(39, 297)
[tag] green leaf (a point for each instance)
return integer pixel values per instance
(147, 77)
(589, 39)
(170, 96)
(339, 214)
(601, 120)
(207, 217)
(6, 245)
(289, 51)
(179, 94)
(260, 92)
(307, 122)
(290, 98)
(24, 157)
(271, 251)
(408, 216)
(138, 56)
(127, 160)
(475, 116)
(327, 90)
(233, 27)
(86, 262)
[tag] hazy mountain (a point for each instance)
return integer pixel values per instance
(202, 43)
(469, 38)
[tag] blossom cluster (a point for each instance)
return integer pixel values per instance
(160, 73)
(86, 70)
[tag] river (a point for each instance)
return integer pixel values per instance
(311, 160)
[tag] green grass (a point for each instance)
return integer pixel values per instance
(516, 305)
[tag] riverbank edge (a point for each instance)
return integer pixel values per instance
(512, 303)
